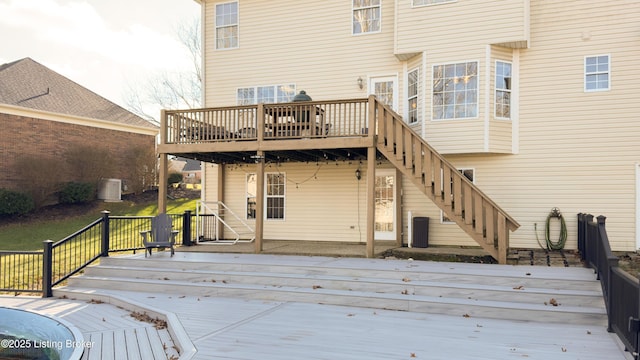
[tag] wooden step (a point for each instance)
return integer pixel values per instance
(481, 290)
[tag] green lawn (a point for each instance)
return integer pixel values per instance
(30, 236)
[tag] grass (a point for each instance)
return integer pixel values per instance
(29, 236)
(25, 271)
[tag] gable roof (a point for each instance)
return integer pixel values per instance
(29, 84)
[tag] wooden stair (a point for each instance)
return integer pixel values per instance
(462, 201)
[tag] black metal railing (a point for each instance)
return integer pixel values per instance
(621, 291)
(40, 271)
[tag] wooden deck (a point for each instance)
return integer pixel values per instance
(220, 326)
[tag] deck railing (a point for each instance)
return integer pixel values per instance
(308, 119)
(621, 290)
(40, 271)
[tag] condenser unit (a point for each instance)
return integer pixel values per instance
(110, 190)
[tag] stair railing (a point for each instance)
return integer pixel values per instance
(218, 210)
(461, 200)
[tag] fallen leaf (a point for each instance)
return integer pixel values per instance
(553, 302)
(466, 315)
(528, 274)
(564, 349)
(588, 332)
(406, 279)
(519, 287)
(317, 287)
(405, 292)
(413, 355)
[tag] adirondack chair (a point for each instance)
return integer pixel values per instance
(161, 235)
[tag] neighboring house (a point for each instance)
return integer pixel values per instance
(43, 114)
(533, 102)
(190, 169)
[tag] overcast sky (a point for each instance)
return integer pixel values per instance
(103, 45)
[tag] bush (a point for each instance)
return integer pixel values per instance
(15, 203)
(75, 192)
(174, 178)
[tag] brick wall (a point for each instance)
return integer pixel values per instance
(21, 136)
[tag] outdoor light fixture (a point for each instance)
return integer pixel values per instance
(360, 82)
(358, 175)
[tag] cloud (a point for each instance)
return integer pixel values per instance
(76, 26)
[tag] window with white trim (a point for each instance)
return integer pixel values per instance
(413, 81)
(596, 73)
(430, 2)
(455, 91)
(227, 25)
(265, 94)
(366, 16)
(275, 195)
(470, 175)
(252, 190)
(503, 90)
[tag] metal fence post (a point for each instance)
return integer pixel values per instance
(186, 228)
(105, 233)
(47, 269)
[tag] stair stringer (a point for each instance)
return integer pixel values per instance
(463, 202)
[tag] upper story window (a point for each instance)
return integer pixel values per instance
(596, 73)
(366, 16)
(413, 80)
(430, 2)
(455, 91)
(265, 94)
(503, 90)
(227, 25)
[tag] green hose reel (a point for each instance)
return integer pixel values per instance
(562, 237)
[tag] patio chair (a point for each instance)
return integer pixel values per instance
(161, 235)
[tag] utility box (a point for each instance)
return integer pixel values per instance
(420, 232)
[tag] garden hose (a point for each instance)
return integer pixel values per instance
(562, 237)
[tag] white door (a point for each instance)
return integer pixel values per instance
(386, 90)
(385, 225)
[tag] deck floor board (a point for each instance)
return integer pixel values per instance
(241, 329)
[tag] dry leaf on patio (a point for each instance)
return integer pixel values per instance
(317, 287)
(413, 355)
(553, 302)
(466, 315)
(406, 279)
(520, 287)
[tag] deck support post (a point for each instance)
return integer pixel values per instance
(371, 195)
(259, 201)
(163, 175)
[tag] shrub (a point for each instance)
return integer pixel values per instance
(40, 177)
(174, 178)
(15, 203)
(76, 192)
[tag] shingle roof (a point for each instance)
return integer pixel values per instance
(29, 84)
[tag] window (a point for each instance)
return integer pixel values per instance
(503, 90)
(265, 94)
(430, 2)
(455, 91)
(366, 16)
(413, 79)
(596, 73)
(275, 196)
(227, 25)
(251, 196)
(470, 175)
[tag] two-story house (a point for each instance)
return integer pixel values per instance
(487, 115)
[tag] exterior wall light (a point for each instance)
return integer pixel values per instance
(358, 175)
(360, 82)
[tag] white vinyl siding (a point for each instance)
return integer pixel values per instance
(227, 25)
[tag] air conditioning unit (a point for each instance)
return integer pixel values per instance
(110, 190)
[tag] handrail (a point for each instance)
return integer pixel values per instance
(621, 291)
(219, 218)
(462, 201)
